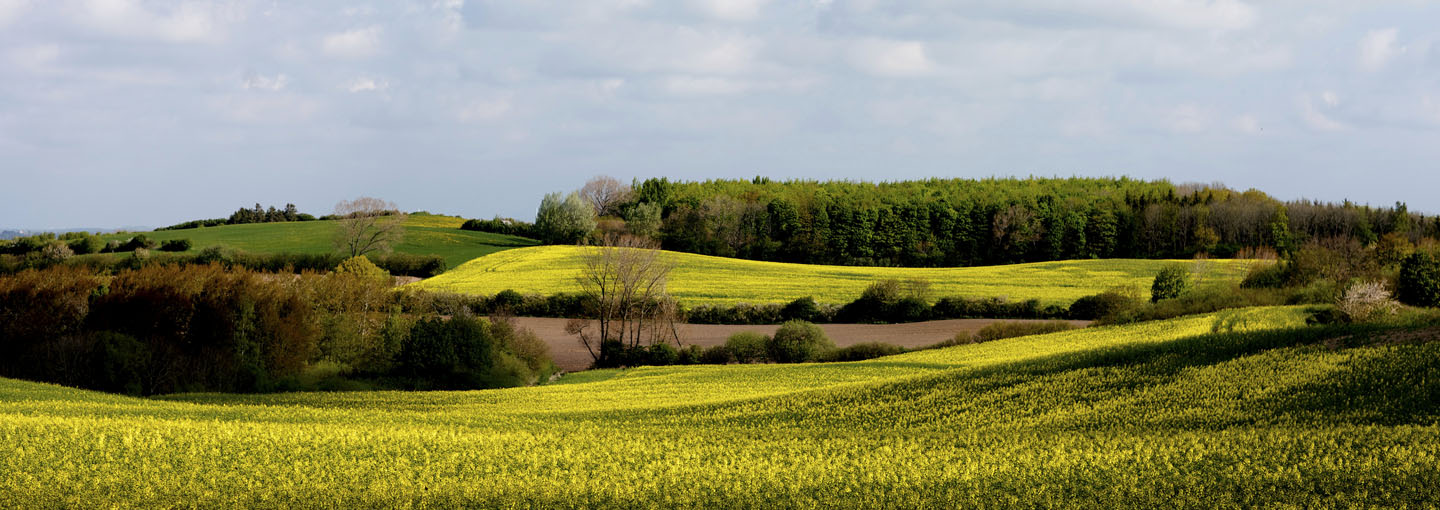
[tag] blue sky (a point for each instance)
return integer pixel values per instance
(125, 112)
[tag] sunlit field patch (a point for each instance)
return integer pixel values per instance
(1240, 408)
(700, 279)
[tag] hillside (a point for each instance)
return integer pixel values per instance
(425, 234)
(700, 279)
(1243, 408)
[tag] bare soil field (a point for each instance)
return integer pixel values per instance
(571, 356)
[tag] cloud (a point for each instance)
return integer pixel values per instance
(262, 82)
(10, 10)
(36, 57)
(731, 10)
(1248, 124)
(892, 58)
(357, 43)
(1377, 48)
(364, 84)
(1314, 115)
(186, 22)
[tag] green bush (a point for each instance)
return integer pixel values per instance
(175, 245)
(87, 245)
(716, 355)
(1172, 281)
(798, 342)
(805, 309)
(864, 351)
(1419, 280)
(1105, 304)
(746, 347)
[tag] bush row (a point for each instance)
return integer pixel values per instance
(504, 226)
(398, 264)
(170, 328)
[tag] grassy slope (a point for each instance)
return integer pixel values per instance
(699, 279)
(424, 235)
(1241, 408)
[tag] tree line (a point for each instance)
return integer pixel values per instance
(956, 222)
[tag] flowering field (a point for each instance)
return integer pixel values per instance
(700, 279)
(1240, 408)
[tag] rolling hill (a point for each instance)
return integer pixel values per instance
(700, 279)
(1247, 408)
(425, 234)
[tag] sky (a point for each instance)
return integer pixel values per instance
(129, 112)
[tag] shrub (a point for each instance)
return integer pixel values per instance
(87, 245)
(661, 354)
(1172, 281)
(746, 347)
(1264, 276)
(362, 267)
(406, 264)
(798, 342)
(691, 355)
(716, 355)
(1419, 280)
(56, 252)
(804, 309)
(139, 242)
(1105, 304)
(864, 351)
(1365, 301)
(175, 245)
(508, 299)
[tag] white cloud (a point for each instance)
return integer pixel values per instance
(729, 56)
(366, 84)
(265, 108)
(187, 22)
(1377, 48)
(731, 10)
(1314, 115)
(357, 43)
(693, 85)
(892, 58)
(262, 82)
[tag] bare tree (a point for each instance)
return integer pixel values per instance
(625, 280)
(368, 224)
(605, 194)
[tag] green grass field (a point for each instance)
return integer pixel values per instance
(1246, 408)
(425, 234)
(700, 279)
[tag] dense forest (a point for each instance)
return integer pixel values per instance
(956, 222)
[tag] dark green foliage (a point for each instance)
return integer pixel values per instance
(406, 264)
(798, 342)
(175, 245)
(87, 244)
(1105, 304)
(962, 222)
(506, 226)
(746, 347)
(716, 355)
(691, 355)
(172, 328)
(805, 309)
(508, 299)
(138, 242)
(1419, 280)
(251, 215)
(864, 351)
(1172, 281)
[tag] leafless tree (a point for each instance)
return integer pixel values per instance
(368, 224)
(605, 194)
(625, 279)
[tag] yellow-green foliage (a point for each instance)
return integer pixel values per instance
(699, 279)
(1238, 409)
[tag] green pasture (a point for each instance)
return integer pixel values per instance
(425, 234)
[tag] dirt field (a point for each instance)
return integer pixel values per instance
(571, 356)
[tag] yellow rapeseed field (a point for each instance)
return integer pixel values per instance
(702, 280)
(1244, 408)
